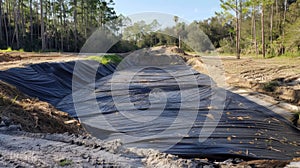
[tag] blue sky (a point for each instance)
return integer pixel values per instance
(189, 10)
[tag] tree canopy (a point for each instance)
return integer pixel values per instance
(58, 25)
(268, 27)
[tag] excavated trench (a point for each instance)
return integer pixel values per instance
(244, 129)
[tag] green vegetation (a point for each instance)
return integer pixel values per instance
(106, 59)
(65, 162)
(265, 28)
(56, 25)
(270, 86)
(9, 49)
(291, 55)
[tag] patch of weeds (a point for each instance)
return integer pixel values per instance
(65, 162)
(290, 55)
(9, 49)
(21, 50)
(270, 86)
(106, 59)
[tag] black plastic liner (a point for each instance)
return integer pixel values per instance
(51, 82)
(245, 129)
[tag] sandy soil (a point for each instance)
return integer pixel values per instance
(17, 59)
(277, 77)
(64, 150)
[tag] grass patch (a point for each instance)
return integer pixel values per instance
(291, 55)
(288, 56)
(65, 162)
(270, 86)
(9, 49)
(106, 59)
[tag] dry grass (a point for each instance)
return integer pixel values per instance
(34, 115)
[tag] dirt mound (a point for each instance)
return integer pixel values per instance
(33, 115)
(7, 57)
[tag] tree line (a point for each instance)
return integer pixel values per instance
(257, 27)
(51, 25)
(261, 27)
(266, 27)
(140, 34)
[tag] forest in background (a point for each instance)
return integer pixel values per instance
(51, 25)
(248, 27)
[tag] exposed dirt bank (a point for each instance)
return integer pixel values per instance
(33, 115)
(20, 59)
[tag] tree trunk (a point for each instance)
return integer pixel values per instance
(23, 15)
(75, 24)
(62, 27)
(1, 38)
(42, 27)
(68, 40)
(8, 7)
(37, 21)
(45, 23)
(61, 41)
(271, 28)
(6, 29)
(271, 23)
(240, 23)
(16, 31)
(31, 25)
(254, 30)
(86, 24)
(284, 19)
(238, 56)
(277, 15)
(263, 30)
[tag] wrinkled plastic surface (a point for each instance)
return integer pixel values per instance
(245, 130)
(51, 82)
